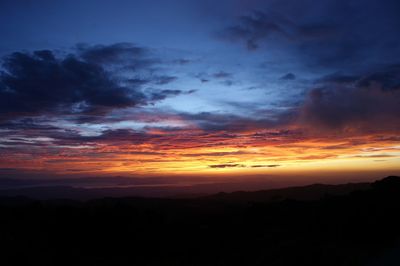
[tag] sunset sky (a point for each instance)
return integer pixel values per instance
(172, 90)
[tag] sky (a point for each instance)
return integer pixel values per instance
(200, 90)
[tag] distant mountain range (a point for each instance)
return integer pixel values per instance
(310, 192)
(330, 225)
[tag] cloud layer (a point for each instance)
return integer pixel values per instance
(86, 82)
(287, 85)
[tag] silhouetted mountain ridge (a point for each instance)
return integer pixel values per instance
(310, 192)
(387, 183)
(351, 229)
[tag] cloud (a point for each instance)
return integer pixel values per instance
(228, 122)
(106, 136)
(360, 103)
(162, 80)
(288, 76)
(161, 95)
(109, 54)
(338, 78)
(252, 29)
(182, 61)
(216, 154)
(375, 156)
(387, 78)
(317, 157)
(323, 34)
(40, 83)
(266, 165)
(369, 102)
(228, 165)
(43, 82)
(234, 165)
(222, 75)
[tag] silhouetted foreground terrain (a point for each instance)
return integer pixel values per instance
(354, 229)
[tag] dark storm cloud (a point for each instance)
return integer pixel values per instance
(120, 57)
(120, 135)
(338, 78)
(252, 29)
(182, 61)
(369, 102)
(388, 78)
(327, 33)
(162, 94)
(222, 75)
(107, 54)
(162, 80)
(137, 81)
(231, 123)
(42, 82)
(27, 124)
(288, 76)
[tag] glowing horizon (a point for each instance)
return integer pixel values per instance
(198, 88)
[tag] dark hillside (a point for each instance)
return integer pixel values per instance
(353, 229)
